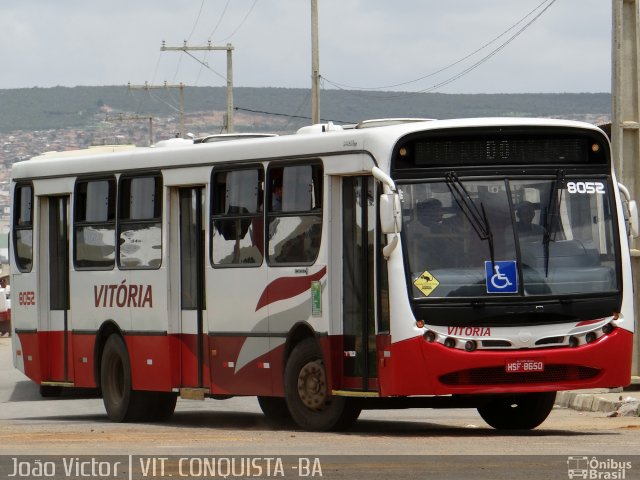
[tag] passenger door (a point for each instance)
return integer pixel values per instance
(191, 237)
(358, 282)
(54, 287)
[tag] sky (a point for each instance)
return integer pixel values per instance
(363, 44)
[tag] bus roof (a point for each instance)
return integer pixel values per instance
(378, 142)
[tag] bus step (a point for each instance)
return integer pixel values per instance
(193, 393)
(57, 384)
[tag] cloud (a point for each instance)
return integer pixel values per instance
(363, 42)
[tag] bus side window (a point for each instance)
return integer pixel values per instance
(23, 227)
(95, 224)
(295, 214)
(140, 222)
(237, 225)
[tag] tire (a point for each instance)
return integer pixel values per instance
(161, 406)
(518, 412)
(121, 402)
(275, 409)
(311, 406)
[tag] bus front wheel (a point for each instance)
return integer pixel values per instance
(310, 403)
(517, 412)
(275, 409)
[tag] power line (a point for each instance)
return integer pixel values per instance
(229, 77)
(195, 24)
(302, 104)
(291, 116)
(490, 55)
(224, 11)
(205, 65)
(342, 86)
(241, 23)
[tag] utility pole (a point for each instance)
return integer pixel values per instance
(315, 65)
(123, 118)
(229, 49)
(148, 86)
(625, 121)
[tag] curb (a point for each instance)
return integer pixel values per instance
(613, 401)
(587, 402)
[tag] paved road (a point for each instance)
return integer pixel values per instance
(30, 425)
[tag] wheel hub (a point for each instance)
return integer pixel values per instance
(312, 385)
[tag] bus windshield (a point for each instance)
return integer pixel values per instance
(515, 237)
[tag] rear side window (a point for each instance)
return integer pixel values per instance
(237, 225)
(95, 224)
(23, 227)
(140, 222)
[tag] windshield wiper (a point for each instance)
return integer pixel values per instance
(477, 216)
(551, 218)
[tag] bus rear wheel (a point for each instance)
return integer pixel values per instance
(518, 412)
(310, 404)
(121, 402)
(161, 406)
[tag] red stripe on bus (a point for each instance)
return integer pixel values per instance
(287, 287)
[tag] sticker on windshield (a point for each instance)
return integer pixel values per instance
(502, 277)
(426, 283)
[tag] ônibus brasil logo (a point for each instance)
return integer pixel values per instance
(596, 468)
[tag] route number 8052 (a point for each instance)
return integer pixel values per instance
(586, 187)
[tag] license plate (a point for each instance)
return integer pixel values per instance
(524, 365)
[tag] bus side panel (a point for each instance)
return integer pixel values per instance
(231, 375)
(52, 353)
(150, 362)
(24, 321)
(404, 371)
(277, 363)
(83, 359)
(29, 351)
(416, 367)
(335, 354)
(188, 358)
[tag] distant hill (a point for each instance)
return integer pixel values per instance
(62, 107)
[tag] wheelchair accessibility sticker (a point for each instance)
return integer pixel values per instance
(503, 278)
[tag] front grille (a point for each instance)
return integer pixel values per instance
(551, 341)
(498, 376)
(496, 343)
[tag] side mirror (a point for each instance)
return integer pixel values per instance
(390, 210)
(630, 212)
(390, 213)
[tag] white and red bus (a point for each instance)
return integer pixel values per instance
(462, 263)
